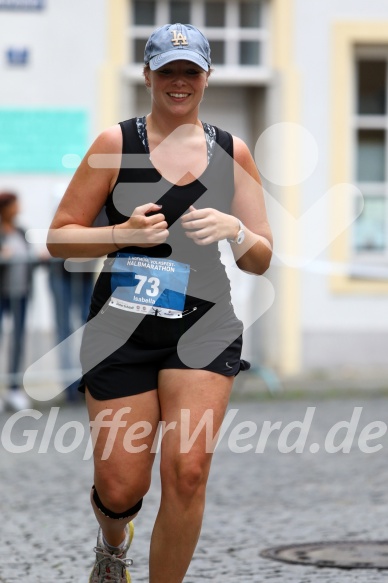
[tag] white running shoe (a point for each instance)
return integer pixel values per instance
(16, 400)
(112, 567)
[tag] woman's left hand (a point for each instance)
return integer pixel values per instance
(206, 226)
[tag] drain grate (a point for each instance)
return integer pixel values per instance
(334, 554)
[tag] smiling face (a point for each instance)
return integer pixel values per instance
(177, 88)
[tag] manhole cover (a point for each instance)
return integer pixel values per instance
(335, 554)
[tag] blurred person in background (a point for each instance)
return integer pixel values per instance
(15, 286)
(71, 293)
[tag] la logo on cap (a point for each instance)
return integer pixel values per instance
(178, 39)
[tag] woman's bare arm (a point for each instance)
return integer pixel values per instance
(71, 233)
(254, 254)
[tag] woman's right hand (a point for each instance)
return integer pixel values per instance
(142, 229)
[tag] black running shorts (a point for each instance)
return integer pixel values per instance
(115, 365)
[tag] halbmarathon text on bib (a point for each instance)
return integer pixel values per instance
(148, 285)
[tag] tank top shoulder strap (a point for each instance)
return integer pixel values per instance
(131, 139)
(225, 140)
(132, 144)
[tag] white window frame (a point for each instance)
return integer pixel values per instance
(360, 121)
(231, 73)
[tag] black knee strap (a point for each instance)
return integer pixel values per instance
(115, 515)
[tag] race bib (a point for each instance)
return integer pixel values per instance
(148, 285)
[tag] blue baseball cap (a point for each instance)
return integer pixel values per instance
(175, 42)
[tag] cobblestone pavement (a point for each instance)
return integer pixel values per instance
(255, 500)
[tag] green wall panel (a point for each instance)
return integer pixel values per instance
(36, 140)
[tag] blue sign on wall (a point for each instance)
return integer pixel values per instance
(22, 4)
(17, 56)
(42, 140)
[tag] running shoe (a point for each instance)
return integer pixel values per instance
(112, 567)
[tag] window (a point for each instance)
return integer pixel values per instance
(215, 14)
(370, 229)
(250, 14)
(180, 12)
(372, 87)
(218, 52)
(140, 44)
(249, 52)
(144, 12)
(371, 156)
(237, 31)
(370, 232)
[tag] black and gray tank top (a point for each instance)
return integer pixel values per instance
(138, 185)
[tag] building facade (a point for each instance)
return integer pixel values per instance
(303, 82)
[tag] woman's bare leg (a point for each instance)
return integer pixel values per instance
(122, 462)
(184, 474)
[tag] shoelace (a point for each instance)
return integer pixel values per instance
(117, 564)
